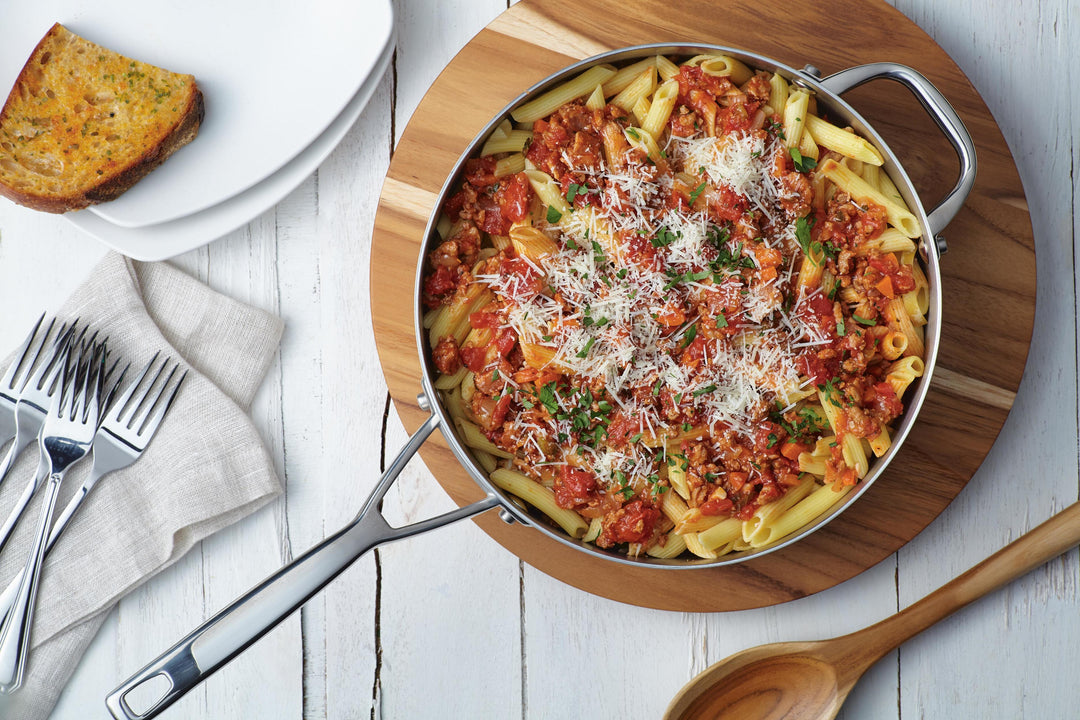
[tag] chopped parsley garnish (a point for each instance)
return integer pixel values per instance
(802, 164)
(809, 424)
(731, 259)
(548, 398)
(802, 233)
(664, 237)
(841, 330)
(863, 321)
(576, 190)
(553, 215)
(721, 321)
(772, 440)
(598, 253)
(697, 193)
(830, 390)
(636, 438)
(676, 277)
(691, 333)
(811, 417)
(588, 346)
(707, 389)
(717, 236)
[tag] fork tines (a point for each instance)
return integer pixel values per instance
(36, 353)
(133, 418)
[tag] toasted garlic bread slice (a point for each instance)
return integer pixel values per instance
(83, 123)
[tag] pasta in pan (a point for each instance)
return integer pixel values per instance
(675, 310)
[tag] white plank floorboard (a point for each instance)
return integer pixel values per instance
(452, 625)
(454, 577)
(1003, 658)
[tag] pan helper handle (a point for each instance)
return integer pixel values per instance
(942, 113)
(234, 629)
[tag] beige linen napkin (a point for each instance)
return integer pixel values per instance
(205, 469)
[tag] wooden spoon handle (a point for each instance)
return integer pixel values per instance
(1058, 534)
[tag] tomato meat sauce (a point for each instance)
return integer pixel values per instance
(689, 333)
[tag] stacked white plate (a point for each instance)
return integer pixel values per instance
(283, 82)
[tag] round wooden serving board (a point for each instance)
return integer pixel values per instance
(988, 283)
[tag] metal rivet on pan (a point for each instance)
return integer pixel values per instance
(812, 71)
(942, 246)
(506, 516)
(422, 402)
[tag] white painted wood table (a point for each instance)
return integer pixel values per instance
(451, 625)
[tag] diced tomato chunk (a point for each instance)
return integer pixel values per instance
(438, 285)
(881, 401)
(484, 319)
(505, 341)
(716, 506)
(574, 487)
(513, 197)
(631, 523)
(791, 450)
(474, 358)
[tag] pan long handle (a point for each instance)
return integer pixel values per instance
(942, 113)
(232, 630)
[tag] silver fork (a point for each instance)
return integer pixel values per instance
(25, 381)
(65, 439)
(35, 399)
(8, 392)
(127, 429)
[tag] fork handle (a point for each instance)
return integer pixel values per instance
(23, 437)
(7, 598)
(24, 500)
(230, 632)
(15, 634)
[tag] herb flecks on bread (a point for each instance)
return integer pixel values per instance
(83, 123)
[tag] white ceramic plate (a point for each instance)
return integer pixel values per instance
(164, 240)
(274, 75)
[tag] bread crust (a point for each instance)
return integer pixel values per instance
(115, 182)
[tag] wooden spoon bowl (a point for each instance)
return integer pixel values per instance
(811, 680)
(769, 682)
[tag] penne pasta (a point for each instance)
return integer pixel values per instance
(640, 87)
(795, 117)
(532, 243)
(512, 142)
(666, 68)
(540, 498)
(620, 80)
(510, 165)
(673, 546)
(596, 99)
(647, 319)
(842, 141)
(899, 216)
(778, 93)
(550, 101)
(660, 110)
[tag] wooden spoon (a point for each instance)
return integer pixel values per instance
(811, 680)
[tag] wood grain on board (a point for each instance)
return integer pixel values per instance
(988, 274)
